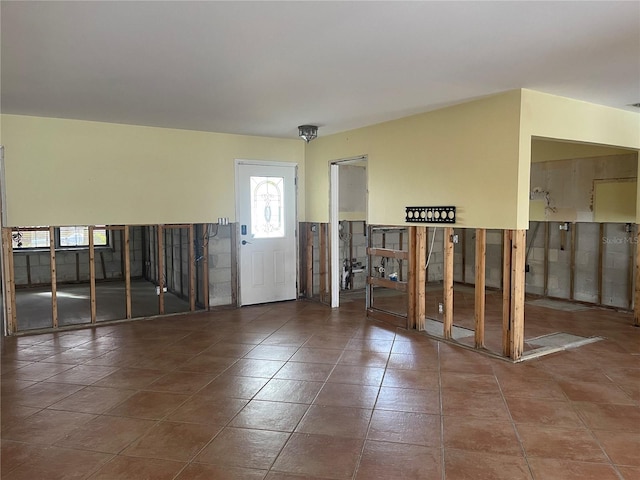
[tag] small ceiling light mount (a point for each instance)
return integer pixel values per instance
(307, 132)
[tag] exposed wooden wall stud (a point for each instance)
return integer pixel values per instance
(54, 284)
(161, 273)
(205, 265)
(192, 270)
(323, 262)
(572, 260)
(127, 272)
(9, 277)
(309, 260)
(92, 275)
(636, 309)
(420, 286)
(412, 283)
(448, 282)
(518, 255)
(480, 263)
(506, 293)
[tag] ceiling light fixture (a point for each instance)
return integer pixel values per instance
(307, 132)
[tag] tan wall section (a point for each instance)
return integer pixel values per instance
(70, 172)
(465, 155)
(554, 117)
(544, 150)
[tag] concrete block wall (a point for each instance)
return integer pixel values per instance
(176, 244)
(618, 259)
(493, 259)
(534, 278)
(586, 269)
(559, 278)
(72, 265)
(177, 261)
(435, 246)
(220, 265)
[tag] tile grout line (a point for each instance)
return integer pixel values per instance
(513, 425)
(366, 436)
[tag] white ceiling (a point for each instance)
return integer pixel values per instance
(262, 68)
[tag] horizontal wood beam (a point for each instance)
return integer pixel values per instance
(386, 283)
(387, 253)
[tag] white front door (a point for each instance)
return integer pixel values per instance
(266, 212)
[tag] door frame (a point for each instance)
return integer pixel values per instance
(334, 219)
(264, 163)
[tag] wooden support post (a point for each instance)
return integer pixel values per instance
(463, 246)
(572, 260)
(420, 287)
(506, 293)
(309, 260)
(205, 266)
(160, 262)
(192, 271)
(412, 283)
(600, 262)
(636, 310)
(9, 278)
(127, 272)
(631, 272)
(92, 275)
(323, 262)
(448, 282)
(400, 247)
(518, 259)
(481, 253)
(54, 284)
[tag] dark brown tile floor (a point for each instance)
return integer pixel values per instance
(299, 391)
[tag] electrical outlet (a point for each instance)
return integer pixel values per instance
(440, 308)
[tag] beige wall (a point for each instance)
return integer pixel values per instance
(475, 156)
(544, 150)
(554, 117)
(69, 172)
(466, 155)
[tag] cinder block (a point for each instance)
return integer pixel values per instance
(20, 276)
(494, 238)
(583, 259)
(222, 289)
(220, 261)
(219, 275)
(65, 272)
(20, 260)
(40, 274)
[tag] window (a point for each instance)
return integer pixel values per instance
(66, 237)
(267, 203)
(79, 236)
(24, 239)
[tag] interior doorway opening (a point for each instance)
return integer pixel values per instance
(348, 220)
